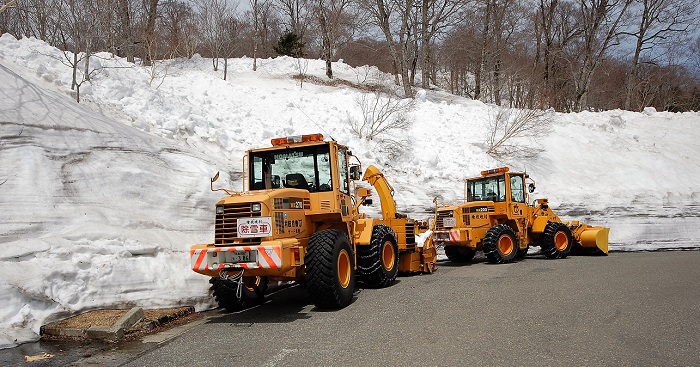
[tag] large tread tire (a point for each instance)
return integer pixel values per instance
(556, 241)
(378, 263)
(459, 254)
(522, 252)
(330, 269)
(225, 294)
(500, 244)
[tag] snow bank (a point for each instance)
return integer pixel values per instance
(103, 199)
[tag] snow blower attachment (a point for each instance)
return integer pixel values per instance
(297, 219)
(496, 218)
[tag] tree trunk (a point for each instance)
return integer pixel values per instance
(425, 49)
(149, 33)
(225, 67)
(326, 40)
(127, 37)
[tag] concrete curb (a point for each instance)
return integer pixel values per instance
(136, 320)
(116, 331)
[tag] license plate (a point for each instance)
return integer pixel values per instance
(239, 257)
(449, 222)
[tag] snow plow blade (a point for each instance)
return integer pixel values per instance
(591, 240)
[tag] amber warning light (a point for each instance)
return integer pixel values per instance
(495, 170)
(296, 139)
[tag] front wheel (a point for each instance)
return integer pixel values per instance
(500, 244)
(556, 241)
(378, 263)
(330, 269)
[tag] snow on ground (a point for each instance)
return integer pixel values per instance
(104, 198)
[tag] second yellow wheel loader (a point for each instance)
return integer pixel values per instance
(297, 219)
(496, 218)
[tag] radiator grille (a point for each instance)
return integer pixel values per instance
(410, 232)
(441, 215)
(226, 225)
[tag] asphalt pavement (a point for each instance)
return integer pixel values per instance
(626, 309)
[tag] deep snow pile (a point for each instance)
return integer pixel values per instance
(103, 199)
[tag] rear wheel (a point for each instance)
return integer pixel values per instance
(330, 269)
(522, 252)
(378, 263)
(556, 241)
(500, 244)
(229, 297)
(459, 254)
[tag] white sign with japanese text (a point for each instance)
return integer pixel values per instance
(255, 227)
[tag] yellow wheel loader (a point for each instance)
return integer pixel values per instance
(496, 218)
(297, 219)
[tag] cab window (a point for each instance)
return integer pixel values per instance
(306, 168)
(343, 170)
(517, 188)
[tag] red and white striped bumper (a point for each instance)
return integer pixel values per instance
(219, 258)
(447, 236)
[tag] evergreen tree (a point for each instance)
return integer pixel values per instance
(289, 44)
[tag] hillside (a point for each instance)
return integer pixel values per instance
(102, 199)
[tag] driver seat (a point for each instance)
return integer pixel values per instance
(296, 181)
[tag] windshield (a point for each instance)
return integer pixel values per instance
(306, 168)
(487, 189)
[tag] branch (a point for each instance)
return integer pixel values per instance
(4, 7)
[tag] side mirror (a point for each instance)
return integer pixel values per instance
(216, 177)
(531, 187)
(367, 202)
(355, 173)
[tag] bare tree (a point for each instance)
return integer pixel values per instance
(294, 15)
(512, 132)
(216, 17)
(658, 22)
(78, 32)
(181, 32)
(7, 5)
(127, 36)
(435, 17)
(149, 31)
(599, 22)
(336, 18)
(380, 114)
(556, 28)
(259, 10)
(398, 36)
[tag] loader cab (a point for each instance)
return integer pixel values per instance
(505, 189)
(498, 186)
(305, 162)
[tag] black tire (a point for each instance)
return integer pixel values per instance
(459, 254)
(378, 263)
(522, 252)
(556, 240)
(330, 269)
(500, 244)
(225, 293)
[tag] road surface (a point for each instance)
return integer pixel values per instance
(626, 309)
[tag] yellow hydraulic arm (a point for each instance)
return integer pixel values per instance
(376, 178)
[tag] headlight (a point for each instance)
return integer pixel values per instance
(256, 207)
(219, 210)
